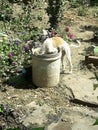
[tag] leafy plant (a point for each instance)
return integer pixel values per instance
(40, 128)
(1, 110)
(94, 2)
(55, 12)
(82, 11)
(13, 53)
(6, 11)
(66, 34)
(13, 129)
(96, 34)
(17, 36)
(96, 122)
(74, 3)
(77, 3)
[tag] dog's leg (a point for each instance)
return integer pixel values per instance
(63, 61)
(70, 64)
(68, 55)
(35, 51)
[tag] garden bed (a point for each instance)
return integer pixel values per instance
(17, 90)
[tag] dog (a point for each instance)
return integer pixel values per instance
(51, 45)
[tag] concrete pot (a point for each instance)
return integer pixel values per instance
(46, 69)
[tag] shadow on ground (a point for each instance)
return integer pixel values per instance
(22, 80)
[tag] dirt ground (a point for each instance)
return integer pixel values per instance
(17, 94)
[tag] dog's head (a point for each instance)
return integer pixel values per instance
(36, 51)
(45, 34)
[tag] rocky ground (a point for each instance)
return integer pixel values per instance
(72, 104)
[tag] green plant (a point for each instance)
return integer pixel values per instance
(13, 52)
(74, 4)
(66, 34)
(6, 11)
(82, 11)
(1, 110)
(94, 2)
(77, 3)
(96, 122)
(96, 34)
(55, 12)
(38, 128)
(13, 129)
(15, 49)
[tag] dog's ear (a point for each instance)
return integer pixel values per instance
(32, 50)
(45, 32)
(59, 49)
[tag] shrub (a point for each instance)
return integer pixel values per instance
(18, 35)
(82, 11)
(54, 10)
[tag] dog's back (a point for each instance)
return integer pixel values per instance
(50, 44)
(57, 41)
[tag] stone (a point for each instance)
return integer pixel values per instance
(86, 35)
(83, 126)
(38, 117)
(75, 118)
(82, 89)
(32, 105)
(59, 126)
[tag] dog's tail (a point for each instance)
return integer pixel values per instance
(93, 46)
(76, 46)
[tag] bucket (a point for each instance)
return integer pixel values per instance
(46, 69)
(96, 51)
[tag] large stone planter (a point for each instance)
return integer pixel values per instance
(46, 69)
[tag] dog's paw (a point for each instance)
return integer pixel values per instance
(63, 72)
(70, 72)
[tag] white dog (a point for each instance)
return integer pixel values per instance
(51, 45)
